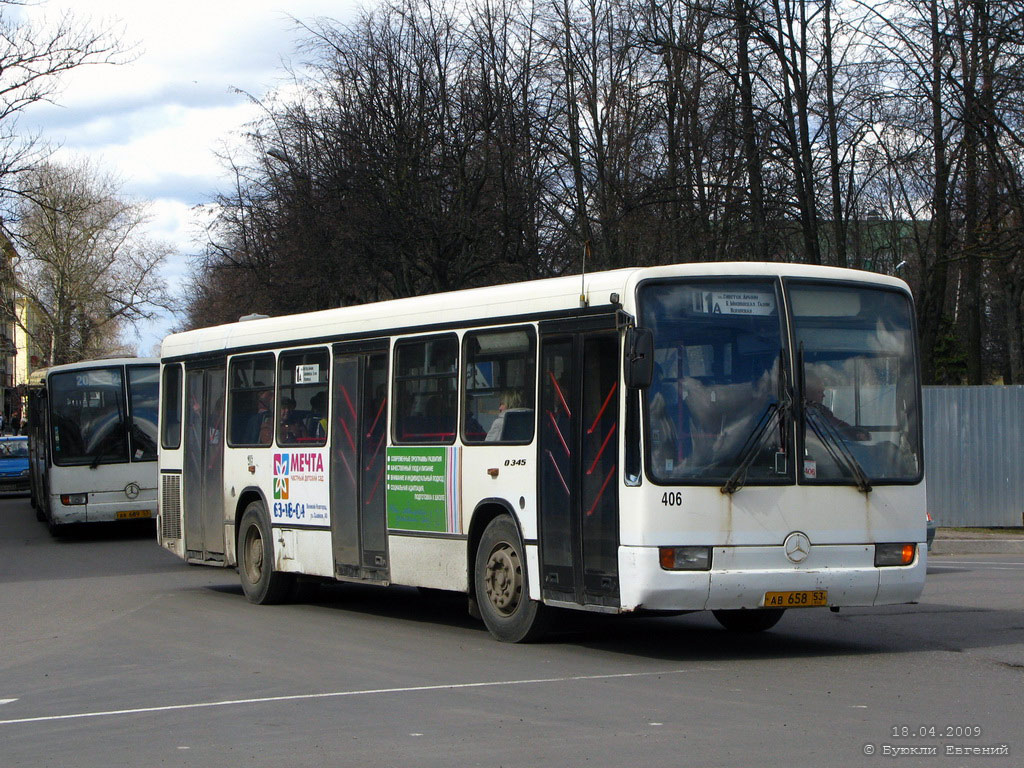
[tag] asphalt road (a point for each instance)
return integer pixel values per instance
(115, 653)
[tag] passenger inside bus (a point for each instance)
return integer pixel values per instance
(290, 429)
(510, 408)
(722, 415)
(814, 392)
(316, 422)
(261, 426)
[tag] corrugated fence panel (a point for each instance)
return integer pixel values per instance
(974, 445)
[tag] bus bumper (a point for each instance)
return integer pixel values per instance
(106, 507)
(740, 577)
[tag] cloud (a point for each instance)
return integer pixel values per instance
(57, 118)
(159, 120)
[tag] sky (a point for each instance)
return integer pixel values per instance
(159, 121)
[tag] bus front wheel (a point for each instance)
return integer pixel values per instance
(260, 582)
(753, 620)
(501, 589)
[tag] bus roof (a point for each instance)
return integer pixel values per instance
(37, 377)
(480, 305)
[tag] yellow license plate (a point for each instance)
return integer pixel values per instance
(804, 599)
(133, 514)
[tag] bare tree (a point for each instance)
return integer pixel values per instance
(83, 262)
(452, 143)
(32, 60)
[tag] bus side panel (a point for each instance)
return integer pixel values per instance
(508, 473)
(438, 563)
(305, 550)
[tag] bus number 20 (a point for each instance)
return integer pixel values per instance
(672, 499)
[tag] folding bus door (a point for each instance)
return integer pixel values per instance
(204, 462)
(358, 460)
(579, 462)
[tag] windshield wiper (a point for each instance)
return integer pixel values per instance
(774, 413)
(830, 437)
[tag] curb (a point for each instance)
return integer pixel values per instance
(992, 546)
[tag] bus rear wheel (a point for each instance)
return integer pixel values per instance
(37, 505)
(260, 582)
(753, 620)
(501, 590)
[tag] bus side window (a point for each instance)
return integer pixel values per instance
(426, 390)
(251, 401)
(302, 384)
(171, 396)
(499, 380)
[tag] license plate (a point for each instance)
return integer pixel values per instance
(133, 514)
(803, 599)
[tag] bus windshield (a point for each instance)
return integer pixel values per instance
(860, 395)
(717, 404)
(144, 396)
(88, 413)
(720, 406)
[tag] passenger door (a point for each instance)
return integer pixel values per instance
(204, 462)
(579, 462)
(358, 460)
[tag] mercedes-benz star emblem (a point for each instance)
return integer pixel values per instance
(131, 491)
(798, 547)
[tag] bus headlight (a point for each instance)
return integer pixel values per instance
(71, 499)
(685, 558)
(894, 554)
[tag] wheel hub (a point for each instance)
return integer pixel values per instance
(504, 579)
(254, 555)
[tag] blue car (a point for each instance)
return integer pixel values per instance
(14, 464)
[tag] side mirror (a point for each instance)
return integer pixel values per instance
(638, 364)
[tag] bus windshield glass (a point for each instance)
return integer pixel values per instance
(717, 407)
(88, 417)
(144, 394)
(860, 402)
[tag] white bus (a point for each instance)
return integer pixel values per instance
(742, 438)
(93, 441)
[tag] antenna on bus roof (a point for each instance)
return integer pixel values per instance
(253, 316)
(583, 275)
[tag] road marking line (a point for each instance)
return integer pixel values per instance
(957, 567)
(973, 562)
(7, 701)
(338, 694)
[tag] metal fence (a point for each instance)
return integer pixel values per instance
(974, 445)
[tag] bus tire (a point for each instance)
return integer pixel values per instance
(55, 528)
(260, 582)
(752, 620)
(43, 500)
(501, 588)
(37, 505)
